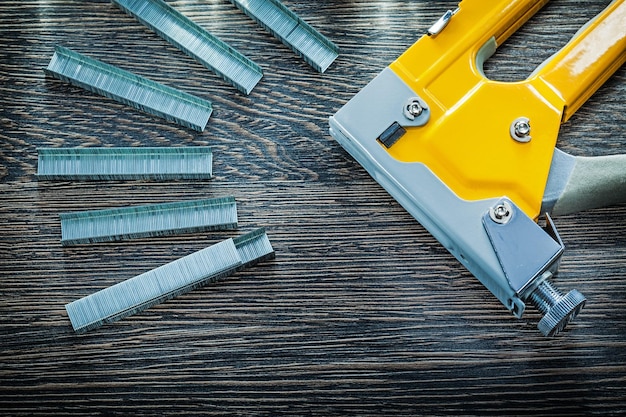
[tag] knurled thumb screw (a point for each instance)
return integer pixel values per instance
(557, 309)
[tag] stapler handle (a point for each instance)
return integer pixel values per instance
(578, 183)
(596, 51)
(575, 72)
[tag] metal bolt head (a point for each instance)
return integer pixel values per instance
(520, 129)
(501, 212)
(413, 108)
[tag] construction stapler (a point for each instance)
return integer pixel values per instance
(474, 160)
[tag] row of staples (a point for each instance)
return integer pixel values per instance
(174, 105)
(95, 226)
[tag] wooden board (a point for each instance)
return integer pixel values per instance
(361, 313)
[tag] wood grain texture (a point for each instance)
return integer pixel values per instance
(361, 313)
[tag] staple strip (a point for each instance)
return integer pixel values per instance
(195, 41)
(153, 287)
(130, 89)
(317, 50)
(168, 281)
(254, 247)
(148, 221)
(143, 163)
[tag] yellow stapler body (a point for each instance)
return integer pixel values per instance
(474, 160)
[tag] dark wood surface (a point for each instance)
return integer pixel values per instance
(361, 313)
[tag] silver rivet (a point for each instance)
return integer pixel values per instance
(501, 213)
(413, 108)
(520, 129)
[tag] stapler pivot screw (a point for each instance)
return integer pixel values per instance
(501, 213)
(413, 108)
(520, 129)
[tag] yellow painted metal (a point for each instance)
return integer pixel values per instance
(467, 141)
